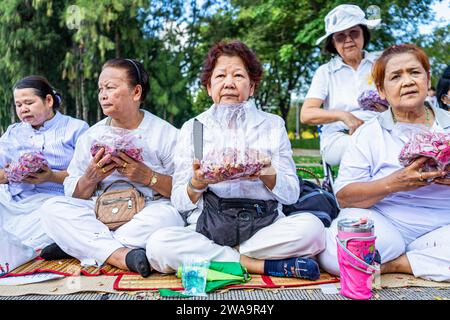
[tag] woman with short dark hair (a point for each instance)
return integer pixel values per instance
(42, 133)
(443, 90)
(259, 236)
(122, 86)
(337, 84)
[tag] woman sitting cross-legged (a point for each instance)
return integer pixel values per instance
(34, 156)
(237, 220)
(387, 176)
(143, 156)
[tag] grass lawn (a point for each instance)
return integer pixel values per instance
(313, 164)
(305, 143)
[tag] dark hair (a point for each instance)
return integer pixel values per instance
(379, 68)
(136, 73)
(443, 86)
(234, 48)
(41, 87)
(330, 48)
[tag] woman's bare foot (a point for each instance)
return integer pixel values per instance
(398, 265)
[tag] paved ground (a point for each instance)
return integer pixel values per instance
(306, 152)
(412, 293)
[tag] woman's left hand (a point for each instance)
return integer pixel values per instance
(39, 177)
(134, 170)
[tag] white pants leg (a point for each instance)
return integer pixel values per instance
(156, 215)
(389, 242)
(429, 255)
(72, 224)
(298, 235)
(333, 147)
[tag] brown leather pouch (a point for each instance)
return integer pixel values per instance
(116, 207)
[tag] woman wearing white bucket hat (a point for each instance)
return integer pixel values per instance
(338, 83)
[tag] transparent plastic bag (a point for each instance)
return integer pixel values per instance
(115, 140)
(23, 162)
(194, 275)
(369, 99)
(233, 156)
(425, 143)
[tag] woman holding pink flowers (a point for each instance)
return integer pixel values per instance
(130, 145)
(34, 156)
(396, 172)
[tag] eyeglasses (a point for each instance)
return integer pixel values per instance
(341, 36)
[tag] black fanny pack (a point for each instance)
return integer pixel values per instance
(231, 221)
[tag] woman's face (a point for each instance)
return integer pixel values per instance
(349, 43)
(405, 82)
(445, 98)
(230, 81)
(114, 93)
(30, 108)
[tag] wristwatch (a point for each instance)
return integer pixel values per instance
(153, 179)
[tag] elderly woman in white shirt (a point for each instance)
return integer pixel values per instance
(337, 84)
(42, 129)
(71, 222)
(410, 208)
(231, 74)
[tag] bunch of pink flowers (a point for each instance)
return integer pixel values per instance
(30, 162)
(230, 164)
(435, 146)
(118, 141)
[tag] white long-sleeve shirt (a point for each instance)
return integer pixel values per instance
(260, 130)
(158, 143)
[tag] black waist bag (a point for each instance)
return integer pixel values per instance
(315, 200)
(231, 221)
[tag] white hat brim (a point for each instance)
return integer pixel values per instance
(369, 23)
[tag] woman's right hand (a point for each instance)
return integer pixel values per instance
(351, 122)
(100, 167)
(3, 179)
(198, 180)
(412, 177)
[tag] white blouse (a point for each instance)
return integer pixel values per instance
(259, 129)
(158, 153)
(339, 86)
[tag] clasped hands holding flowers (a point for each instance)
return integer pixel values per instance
(103, 165)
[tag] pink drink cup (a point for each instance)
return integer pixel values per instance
(355, 251)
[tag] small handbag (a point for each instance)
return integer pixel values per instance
(116, 207)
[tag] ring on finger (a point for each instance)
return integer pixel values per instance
(125, 165)
(420, 175)
(99, 165)
(103, 170)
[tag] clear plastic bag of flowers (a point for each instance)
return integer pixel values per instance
(425, 143)
(371, 100)
(115, 140)
(23, 162)
(239, 151)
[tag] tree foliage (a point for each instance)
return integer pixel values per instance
(68, 41)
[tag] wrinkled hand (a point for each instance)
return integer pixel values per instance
(412, 177)
(100, 167)
(134, 170)
(39, 177)
(352, 122)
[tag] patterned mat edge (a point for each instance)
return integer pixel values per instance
(63, 268)
(268, 284)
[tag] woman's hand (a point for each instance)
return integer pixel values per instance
(198, 179)
(40, 177)
(100, 167)
(351, 122)
(412, 177)
(3, 179)
(134, 170)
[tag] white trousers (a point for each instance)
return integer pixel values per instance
(428, 254)
(293, 236)
(73, 226)
(334, 146)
